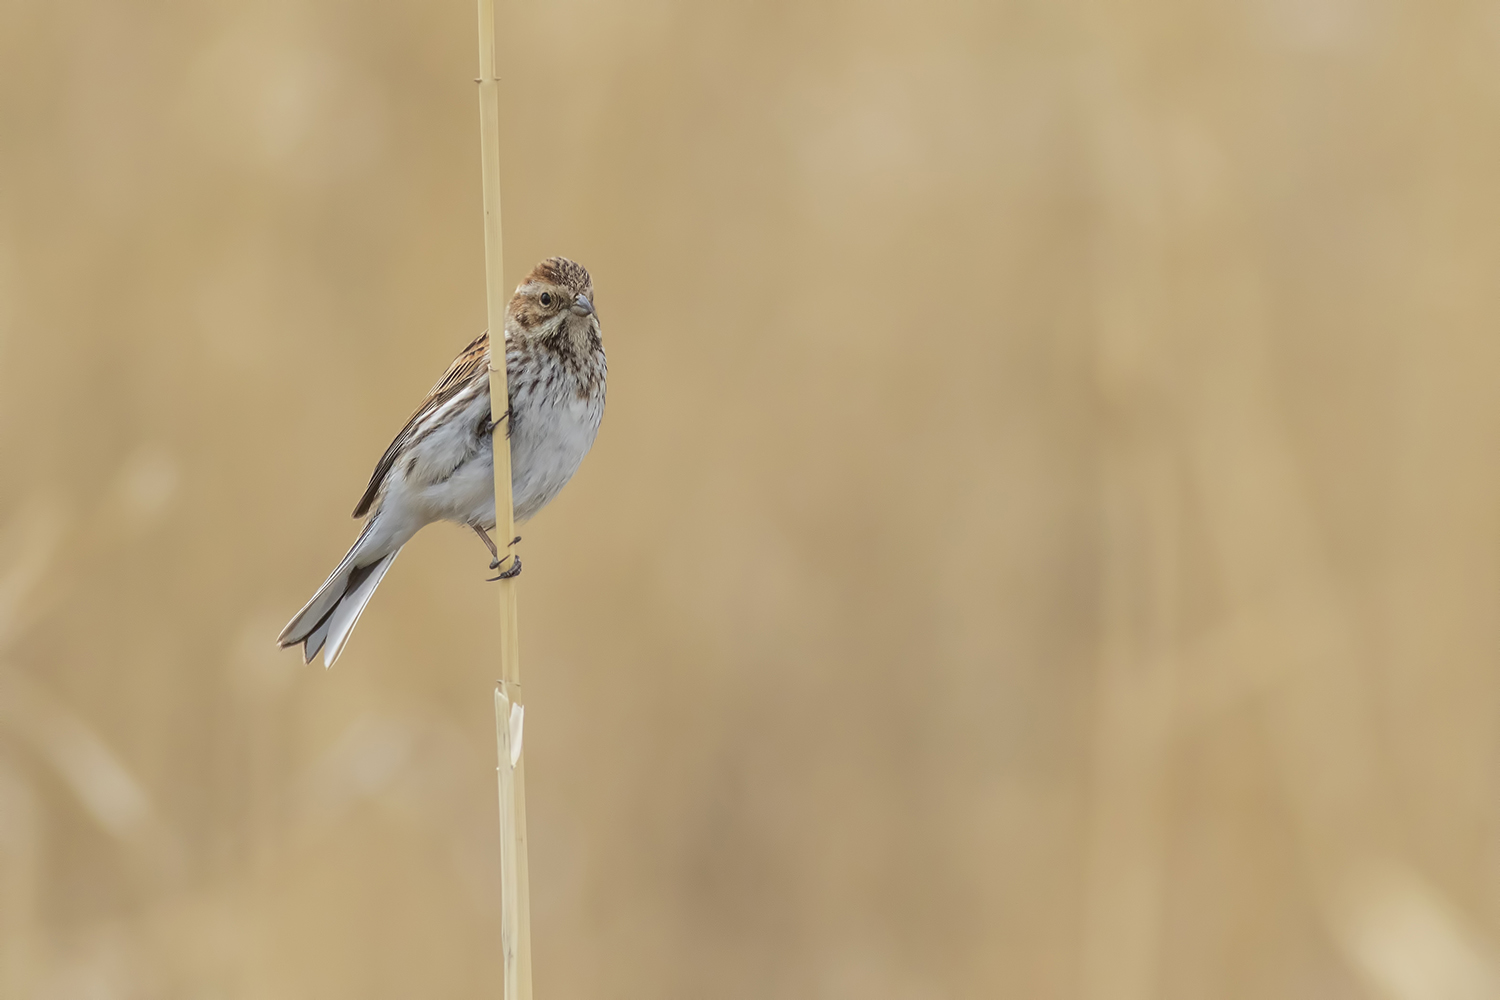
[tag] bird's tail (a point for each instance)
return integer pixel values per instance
(326, 621)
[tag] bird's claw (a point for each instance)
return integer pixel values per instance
(510, 572)
(513, 570)
(490, 425)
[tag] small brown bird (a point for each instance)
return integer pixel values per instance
(441, 465)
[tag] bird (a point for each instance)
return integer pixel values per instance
(440, 467)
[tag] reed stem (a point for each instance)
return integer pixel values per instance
(515, 913)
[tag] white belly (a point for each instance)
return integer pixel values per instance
(553, 432)
(449, 475)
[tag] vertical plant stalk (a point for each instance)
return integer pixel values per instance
(515, 910)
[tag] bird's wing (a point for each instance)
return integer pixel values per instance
(471, 363)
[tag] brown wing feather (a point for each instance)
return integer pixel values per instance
(470, 363)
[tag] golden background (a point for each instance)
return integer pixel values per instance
(1043, 541)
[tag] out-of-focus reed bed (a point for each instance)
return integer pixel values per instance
(1043, 540)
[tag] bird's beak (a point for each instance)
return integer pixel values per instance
(582, 306)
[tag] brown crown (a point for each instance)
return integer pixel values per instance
(562, 272)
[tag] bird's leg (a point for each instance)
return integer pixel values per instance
(489, 544)
(514, 569)
(490, 425)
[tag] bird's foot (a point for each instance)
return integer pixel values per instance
(515, 568)
(510, 572)
(490, 425)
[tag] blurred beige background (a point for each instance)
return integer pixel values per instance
(1044, 539)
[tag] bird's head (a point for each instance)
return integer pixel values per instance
(555, 303)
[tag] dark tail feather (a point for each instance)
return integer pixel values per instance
(333, 611)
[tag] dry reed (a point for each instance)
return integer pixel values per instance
(515, 920)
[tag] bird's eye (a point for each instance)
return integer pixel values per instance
(546, 298)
